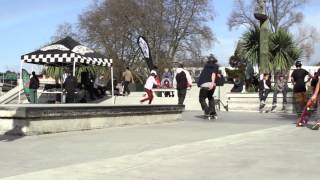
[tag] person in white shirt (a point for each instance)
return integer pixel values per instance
(148, 87)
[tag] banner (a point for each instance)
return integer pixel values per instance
(26, 82)
(144, 47)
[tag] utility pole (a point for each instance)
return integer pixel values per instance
(264, 36)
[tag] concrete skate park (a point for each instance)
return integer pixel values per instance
(238, 145)
(169, 143)
(26, 119)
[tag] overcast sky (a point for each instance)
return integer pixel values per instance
(25, 25)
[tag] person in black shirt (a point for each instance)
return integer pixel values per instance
(264, 90)
(70, 85)
(182, 81)
(33, 86)
(207, 84)
(299, 85)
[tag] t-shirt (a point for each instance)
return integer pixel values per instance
(206, 73)
(298, 76)
(314, 81)
(150, 82)
(127, 76)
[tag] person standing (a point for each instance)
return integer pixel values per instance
(264, 90)
(182, 81)
(149, 85)
(70, 85)
(299, 86)
(34, 86)
(128, 78)
(207, 84)
(281, 85)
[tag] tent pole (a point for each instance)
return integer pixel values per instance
(112, 89)
(74, 68)
(20, 83)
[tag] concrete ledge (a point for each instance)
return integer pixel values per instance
(249, 102)
(41, 119)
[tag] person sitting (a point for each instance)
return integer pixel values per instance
(166, 83)
(100, 86)
(237, 85)
(264, 89)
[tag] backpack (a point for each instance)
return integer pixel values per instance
(182, 82)
(220, 80)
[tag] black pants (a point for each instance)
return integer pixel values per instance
(263, 94)
(100, 91)
(126, 87)
(181, 95)
(71, 97)
(204, 94)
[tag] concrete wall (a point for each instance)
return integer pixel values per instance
(42, 119)
(191, 101)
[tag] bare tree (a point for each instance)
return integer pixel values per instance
(64, 30)
(282, 14)
(242, 15)
(307, 38)
(171, 27)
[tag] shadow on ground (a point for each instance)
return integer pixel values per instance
(9, 138)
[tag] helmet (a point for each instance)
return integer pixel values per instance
(212, 59)
(298, 64)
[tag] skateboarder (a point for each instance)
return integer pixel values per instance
(305, 114)
(149, 85)
(207, 84)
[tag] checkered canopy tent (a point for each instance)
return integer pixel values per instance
(66, 52)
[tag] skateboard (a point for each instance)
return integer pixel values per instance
(316, 126)
(266, 111)
(305, 115)
(209, 117)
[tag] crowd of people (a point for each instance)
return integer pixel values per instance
(181, 80)
(298, 79)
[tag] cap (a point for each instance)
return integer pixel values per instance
(153, 72)
(298, 64)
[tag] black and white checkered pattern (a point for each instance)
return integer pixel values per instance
(65, 58)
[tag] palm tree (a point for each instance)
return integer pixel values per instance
(250, 46)
(283, 51)
(57, 72)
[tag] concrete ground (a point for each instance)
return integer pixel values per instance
(240, 146)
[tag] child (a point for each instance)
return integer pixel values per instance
(148, 86)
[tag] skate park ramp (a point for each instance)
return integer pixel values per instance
(11, 96)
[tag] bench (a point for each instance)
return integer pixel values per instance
(251, 102)
(164, 90)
